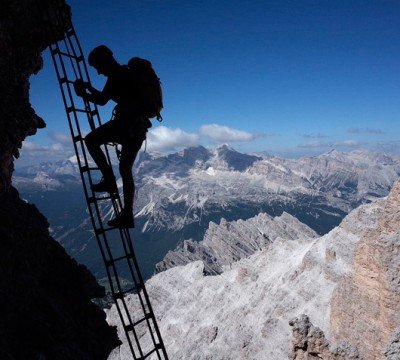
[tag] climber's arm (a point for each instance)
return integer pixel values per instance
(93, 95)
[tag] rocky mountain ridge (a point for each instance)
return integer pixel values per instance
(179, 194)
(244, 312)
(227, 242)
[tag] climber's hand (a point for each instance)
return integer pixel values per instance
(80, 87)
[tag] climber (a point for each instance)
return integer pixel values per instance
(128, 127)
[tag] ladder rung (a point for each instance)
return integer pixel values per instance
(120, 294)
(77, 58)
(65, 80)
(127, 256)
(77, 138)
(88, 168)
(72, 108)
(131, 326)
(70, 32)
(110, 262)
(92, 199)
(158, 346)
(103, 230)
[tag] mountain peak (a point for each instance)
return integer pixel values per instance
(225, 147)
(234, 159)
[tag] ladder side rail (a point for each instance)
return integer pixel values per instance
(74, 65)
(131, 325)
(128, 315)
(75, 117)
(71, 98)
(70, 95)
(77, 151)
(69, 46)
(139, 285)
(83, 151)
(96, 206)
(150, 309)
(79, 132)
(66, 106)
(59, 76)
(79, 74)
(71, 51)
(72, 34)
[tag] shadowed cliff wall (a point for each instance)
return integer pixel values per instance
(45, 296)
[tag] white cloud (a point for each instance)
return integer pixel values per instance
(314, 136)
(60, 137)
(163, 138)
(56, 149)
(331, 144)
(225, 134)
(32, 146)
(365, 131)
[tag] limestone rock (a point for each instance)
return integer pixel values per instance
(309, 342)
(227, 242)
(392, 350)
(365, 309)
(244, 312)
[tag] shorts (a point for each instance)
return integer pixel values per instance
(116, 131)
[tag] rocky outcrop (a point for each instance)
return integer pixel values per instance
(244, 312)
(45, 296)
(227, 242)
(365, 309)
(26, 29)
(309, 342)
(392, 350)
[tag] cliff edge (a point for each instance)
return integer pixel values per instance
(45, 296)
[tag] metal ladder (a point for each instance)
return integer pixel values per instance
(69, 64)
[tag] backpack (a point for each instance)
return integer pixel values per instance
(149, 87)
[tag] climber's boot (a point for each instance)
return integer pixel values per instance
(123, 220)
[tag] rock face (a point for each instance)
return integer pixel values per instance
(365, 309)
(244, 312)
(309, 343)
(228, 242)
(45, 296)
(392, 350)
(23, 36)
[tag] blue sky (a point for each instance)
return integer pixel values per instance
(288, 77)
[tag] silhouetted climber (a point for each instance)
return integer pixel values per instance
(134, 89)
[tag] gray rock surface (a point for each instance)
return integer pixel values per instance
(227, 242)
(365, 309)
(309, 342)
(392, 350)
(244, 312)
